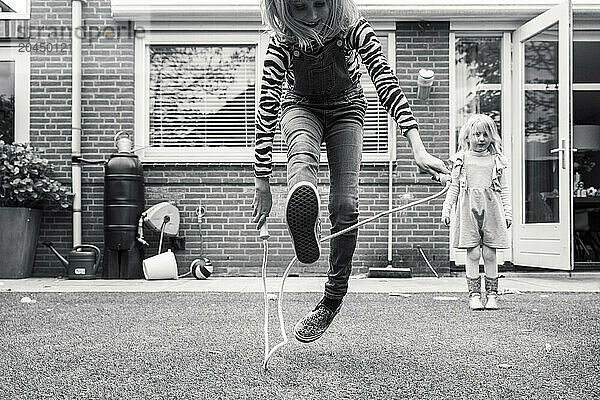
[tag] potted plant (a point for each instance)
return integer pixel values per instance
(27, 188)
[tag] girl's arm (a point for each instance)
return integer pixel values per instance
(271, 85)
(362, 37)
(452, 193)
(505, 197)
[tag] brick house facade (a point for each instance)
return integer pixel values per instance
(225, 234)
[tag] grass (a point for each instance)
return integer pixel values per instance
(210, 346)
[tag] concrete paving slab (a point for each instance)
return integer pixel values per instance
(515, 282)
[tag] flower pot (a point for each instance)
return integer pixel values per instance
(19, 231)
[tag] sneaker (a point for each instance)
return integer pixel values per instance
(314, 324)
(302, 217)
(491, 303)
(475, 302)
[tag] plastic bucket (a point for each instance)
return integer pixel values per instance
(161, 266)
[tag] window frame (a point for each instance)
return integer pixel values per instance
(142, 80)
(149, 34)
(505, 33)
(21, 59)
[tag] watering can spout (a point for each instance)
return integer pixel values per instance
(60, 257)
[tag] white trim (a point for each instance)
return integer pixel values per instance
(392, 130)
(218, 33)
(452, 92)
(229, 25)
(22, 93)
(484, 27)
(17, 15)
(586, 87)
(507, 132)
(248, 10)
(142, 120)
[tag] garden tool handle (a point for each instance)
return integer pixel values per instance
(96, 250)
(264, 232)
(444, 179)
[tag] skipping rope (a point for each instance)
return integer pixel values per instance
(264, 236)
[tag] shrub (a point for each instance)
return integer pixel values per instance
(27, 181)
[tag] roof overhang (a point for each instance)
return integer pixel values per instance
(397, 10)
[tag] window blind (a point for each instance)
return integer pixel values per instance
(202, 96)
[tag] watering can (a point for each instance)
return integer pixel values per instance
(82, 263)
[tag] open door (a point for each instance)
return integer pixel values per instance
(542, 161)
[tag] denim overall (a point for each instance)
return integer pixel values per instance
(325, 106)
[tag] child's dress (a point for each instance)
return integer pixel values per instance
(482, 199)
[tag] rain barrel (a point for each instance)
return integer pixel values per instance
(123, 206)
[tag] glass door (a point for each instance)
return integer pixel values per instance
(542, 142)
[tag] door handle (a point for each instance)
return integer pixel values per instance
(561, 153)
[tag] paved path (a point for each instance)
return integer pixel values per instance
(515, 282)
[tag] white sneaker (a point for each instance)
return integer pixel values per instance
(302, 218)
(475, 302)
(491, 303)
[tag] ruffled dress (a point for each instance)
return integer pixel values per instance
(482, 200)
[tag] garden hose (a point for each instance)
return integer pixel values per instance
(264, 236)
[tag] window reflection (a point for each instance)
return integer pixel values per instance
(541, 127)
(7, 101)
(478, 78)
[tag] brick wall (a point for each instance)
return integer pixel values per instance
(225, 233)
(424, 45)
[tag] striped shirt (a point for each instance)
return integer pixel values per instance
(360, 41)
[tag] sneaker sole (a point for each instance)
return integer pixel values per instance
(302, 214)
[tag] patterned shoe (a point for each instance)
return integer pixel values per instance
(474, 286)
(491, 289)
(302, 217)
(314, 324)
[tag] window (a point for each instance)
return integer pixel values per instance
(477, 79)
(14, 95)
(196, 97)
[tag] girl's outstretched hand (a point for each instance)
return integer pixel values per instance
(263, 201)
(508, 223)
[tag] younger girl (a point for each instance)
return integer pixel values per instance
(313, 59)
(483, 212)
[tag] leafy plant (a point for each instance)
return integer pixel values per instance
(26, 179)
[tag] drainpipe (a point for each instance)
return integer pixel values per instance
(390, 204)
(76, 35)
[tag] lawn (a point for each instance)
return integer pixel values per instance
(210, 346)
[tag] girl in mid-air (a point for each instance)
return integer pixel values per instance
(311, 81)
(479, 188)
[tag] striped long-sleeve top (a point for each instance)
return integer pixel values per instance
(360, 41)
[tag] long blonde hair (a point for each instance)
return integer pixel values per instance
(483, 123)
(276, 15)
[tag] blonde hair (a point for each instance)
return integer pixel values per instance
(480, 122)
(276, 15)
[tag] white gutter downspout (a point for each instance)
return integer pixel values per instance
(391, 55)
(390, 205)
(76, 36)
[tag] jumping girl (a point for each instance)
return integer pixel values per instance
(311, 80)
